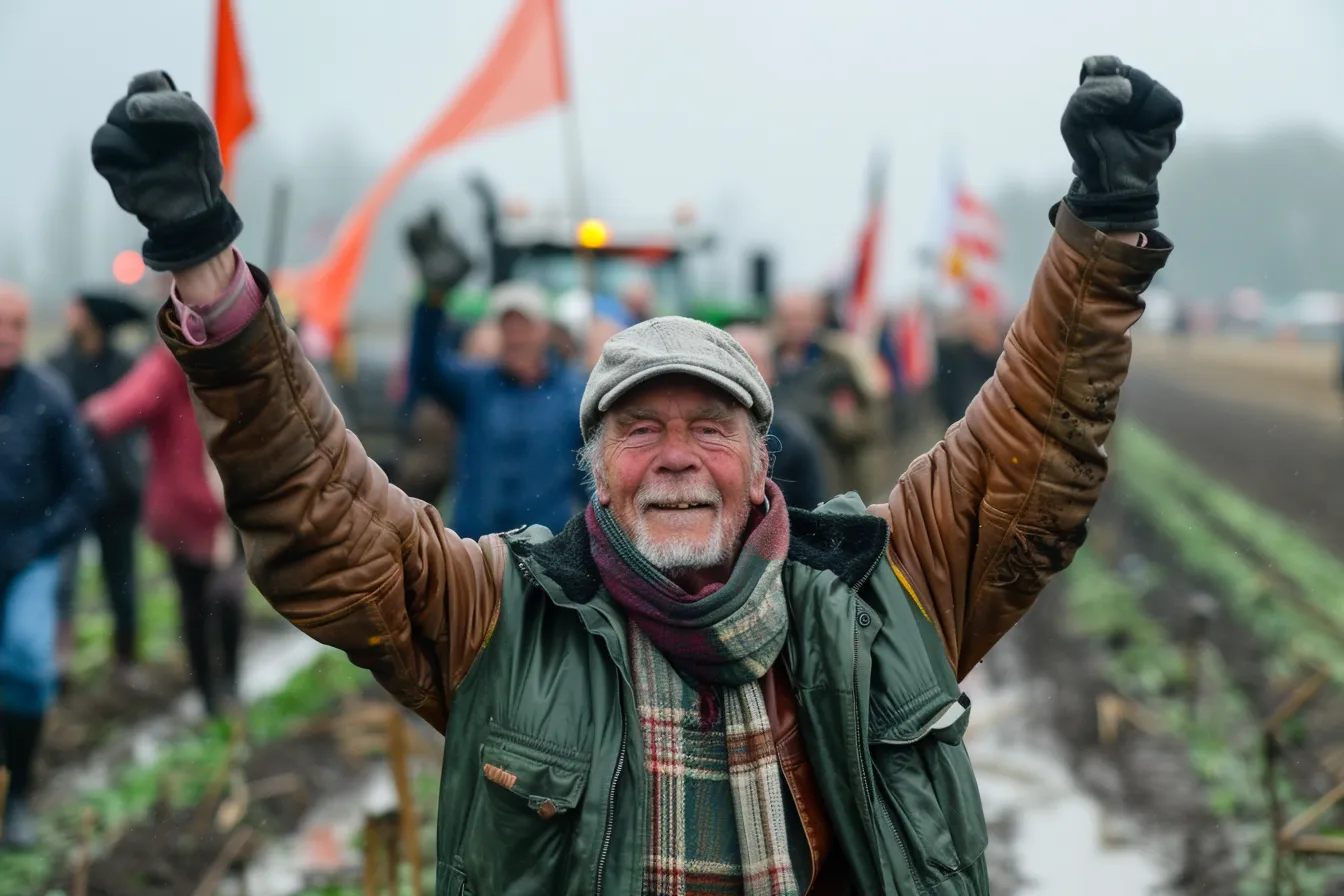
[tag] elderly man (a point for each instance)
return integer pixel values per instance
(50, 484)
(691, 688)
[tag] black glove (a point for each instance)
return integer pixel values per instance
(438, 256)
(160, 154)
(1120, 126)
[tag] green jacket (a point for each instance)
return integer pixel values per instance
(549, 702)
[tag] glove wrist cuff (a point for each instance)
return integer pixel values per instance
(1129, 210)
(177, 245)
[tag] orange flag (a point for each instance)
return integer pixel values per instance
(233, 107)
(524, 74)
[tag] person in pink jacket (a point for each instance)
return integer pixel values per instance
(183, 512)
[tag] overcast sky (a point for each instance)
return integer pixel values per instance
(760, 113)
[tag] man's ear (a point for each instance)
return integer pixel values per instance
(761, 470)
(603, 493)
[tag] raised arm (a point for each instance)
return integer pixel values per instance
(982, 522)
(434, 370)
(346, 557)
(442, 264)
(132, 400)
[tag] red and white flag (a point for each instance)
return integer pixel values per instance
(974, 247)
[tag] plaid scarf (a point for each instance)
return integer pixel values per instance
(707, 743)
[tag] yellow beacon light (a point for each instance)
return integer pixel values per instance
(592, 234)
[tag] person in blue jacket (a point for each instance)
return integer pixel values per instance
(517, 442)
(50, 484)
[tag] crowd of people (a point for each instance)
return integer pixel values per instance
(99, 442)
(489, 404)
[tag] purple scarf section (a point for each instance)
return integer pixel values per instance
(729, 633)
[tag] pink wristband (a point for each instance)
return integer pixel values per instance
(230, 312)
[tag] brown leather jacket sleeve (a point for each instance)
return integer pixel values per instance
(347, 558)
(982, 522)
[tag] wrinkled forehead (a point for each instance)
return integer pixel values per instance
(675, 396)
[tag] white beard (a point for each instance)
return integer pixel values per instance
(684, 553)
(672, 555)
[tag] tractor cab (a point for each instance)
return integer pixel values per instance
(605, 260)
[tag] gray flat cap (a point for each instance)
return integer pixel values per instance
(666, 345)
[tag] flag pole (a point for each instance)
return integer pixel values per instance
(573, 152)
(279, 219)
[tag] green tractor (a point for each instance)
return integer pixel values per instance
(561, 255)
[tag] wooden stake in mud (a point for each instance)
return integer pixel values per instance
(397, 751)
(1202, 611)
(80, 885)
(216, 786)
(4, 792)
(1270, 752)
(372, 844)
(1311, 815)
(1295, 700)
(220, 866)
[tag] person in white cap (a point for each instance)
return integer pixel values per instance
(516, 442)
(690, 688)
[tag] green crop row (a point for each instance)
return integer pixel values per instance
(1279, 543)
(180, 774)
(1236, 577)
(1221, 737)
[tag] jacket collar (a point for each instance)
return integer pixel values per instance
(845, 544)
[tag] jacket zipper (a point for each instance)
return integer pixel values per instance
(611, 810)
(615, 778)
(869, 791)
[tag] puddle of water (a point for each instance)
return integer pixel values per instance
(270, 659)
(1061, 840)
(322, 843)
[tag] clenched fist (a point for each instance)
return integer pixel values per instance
(1120, 127)
(441, 261)
(159, 152)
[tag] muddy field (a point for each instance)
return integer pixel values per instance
(1273, 434)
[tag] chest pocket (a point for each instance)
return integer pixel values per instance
(926, 784)
(524, 815)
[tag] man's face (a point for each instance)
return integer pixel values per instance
(797, 317)
(522, 342)
(13, 329)
(679, 472)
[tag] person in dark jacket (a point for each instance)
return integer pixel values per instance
(517, 441)
(429, 436)
(797, 467)
(969, 345)
(819, 380)
(90, 363)
(49, 485)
